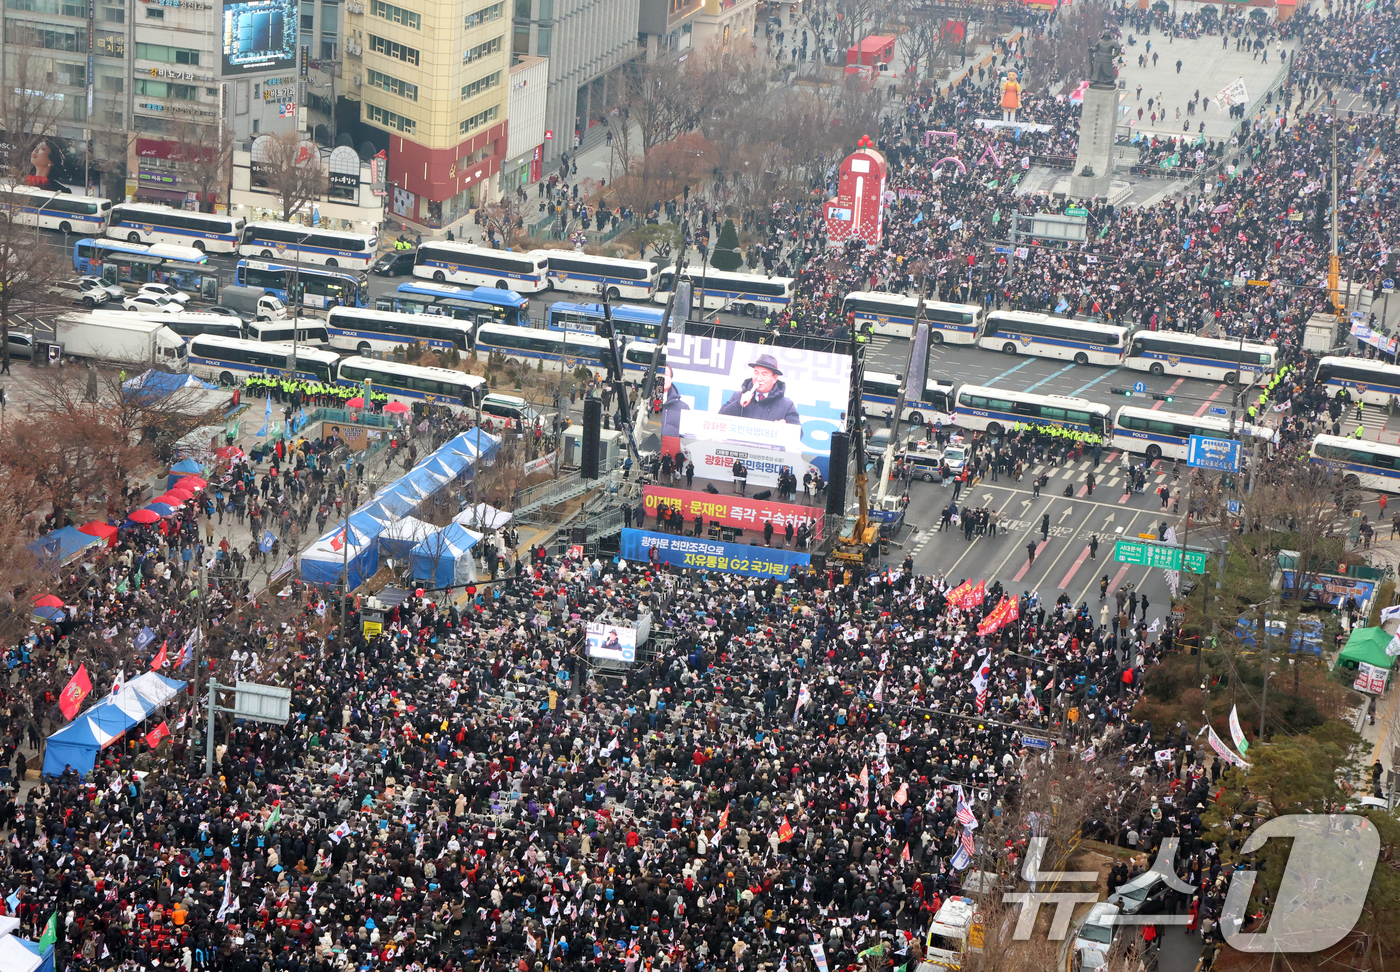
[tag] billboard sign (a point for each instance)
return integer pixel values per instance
(259, 35)
(1332, 589)
(789, 399)
(699, 554)
(715, 460)
(612, 642)
(732, 511)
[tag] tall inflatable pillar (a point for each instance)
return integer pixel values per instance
(857, 211)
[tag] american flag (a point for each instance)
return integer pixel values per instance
(966, 843)
(965, 816)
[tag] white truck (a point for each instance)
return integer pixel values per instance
(120, 338)
(947, 937)
(253, 302)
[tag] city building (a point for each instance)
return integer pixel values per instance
(432, 91)
(525, 141)
(667, 26)
(588, 42)
(354, 198)
(726, 23)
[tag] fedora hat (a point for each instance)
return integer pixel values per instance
(766, 361)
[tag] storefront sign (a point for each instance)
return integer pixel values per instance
(731, 511)
(731, 558)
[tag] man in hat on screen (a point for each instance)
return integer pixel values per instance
(764, 396)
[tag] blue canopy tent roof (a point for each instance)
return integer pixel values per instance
(323, 561)
(19, 954)
(63, 545)
(445, 558)
(188, 467)
(78, 743)
(157, 384)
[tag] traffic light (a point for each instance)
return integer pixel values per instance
(1125, 392)
(1163, 398)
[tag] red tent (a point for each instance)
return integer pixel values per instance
(99, 529)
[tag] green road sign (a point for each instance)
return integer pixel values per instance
(1149, 554)
(1076, 211)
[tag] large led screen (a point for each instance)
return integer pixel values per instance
(259, 35)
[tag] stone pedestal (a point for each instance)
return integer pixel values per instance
(1097, 121)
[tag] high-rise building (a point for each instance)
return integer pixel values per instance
(667, 26)
(588, 42)
(431, 81)
(726, 23)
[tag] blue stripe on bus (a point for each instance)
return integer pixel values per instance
(546, 355)
(740, 294)
(387, 389)
(1182, 359)
(1355, 467)
(601, 278)
(157, 228)
(215, 363)
(464, 268)
(1364, 386)
(881, 320)
(442, 344)
(97, 221)
(1027, 419)
(1056, 343)
(290, 249)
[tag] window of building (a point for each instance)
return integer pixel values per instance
(393, 85)
(390, 120)
(485, 15)
(524, 9)
(328, 47)
(152, 89)
(114, 15)
(544, 38)
(480, 118)
(522, 39)
(48, 38)
(485, 49)
(73, 75)
(58, 8)
(480, 84)
(308, 21)
(113, 83)
(170, 55)
(155, 13)
(393, 14)
(388, 48)
(546, 10)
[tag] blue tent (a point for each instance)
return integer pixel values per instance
(78, 743)
(20, 955)
(188, 467)
(445, 558)
(61, 546)
(157, 384)
(323, 561)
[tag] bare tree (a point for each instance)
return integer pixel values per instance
(661, 97)
(204, 161)
(290, 167)
(506, 219)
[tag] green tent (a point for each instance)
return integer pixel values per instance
(1366, 645)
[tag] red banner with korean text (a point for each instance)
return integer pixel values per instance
(731, 511)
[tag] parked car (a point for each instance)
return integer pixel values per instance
(224, 312)
(956, 458)
(1098, 930)
(395, 263)
(21, 345)
(166, 291)
(152, 303)
(80, 290)
(114, 291)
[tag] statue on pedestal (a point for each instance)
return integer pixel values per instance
(1102, 56)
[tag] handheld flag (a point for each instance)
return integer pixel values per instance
(74, 692)
(785, 830)
(161, 660)
(144, 638)
(154, 737)
(724, 818)
(267, 417)
(340, 832)
(50, 935)
(272, 819)
(119, 681)
(265, 544)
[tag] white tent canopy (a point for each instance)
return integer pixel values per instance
(482, 517)
(14, 957)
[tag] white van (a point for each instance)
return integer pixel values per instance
(509, 407)
(947, 936)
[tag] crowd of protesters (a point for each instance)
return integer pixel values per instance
(798, 758)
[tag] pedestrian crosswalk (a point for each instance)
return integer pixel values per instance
(1106, 475)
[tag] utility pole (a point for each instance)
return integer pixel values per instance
(1264, 698)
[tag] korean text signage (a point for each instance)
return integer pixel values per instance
(1158, 555)
(731, 511)
(1331, 588)
(699, 554)
(1207, 453)
(1370, 678)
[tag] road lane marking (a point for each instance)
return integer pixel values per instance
(1057, 374)
(1170, 391)
(1083, 388)
(1008, 372)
